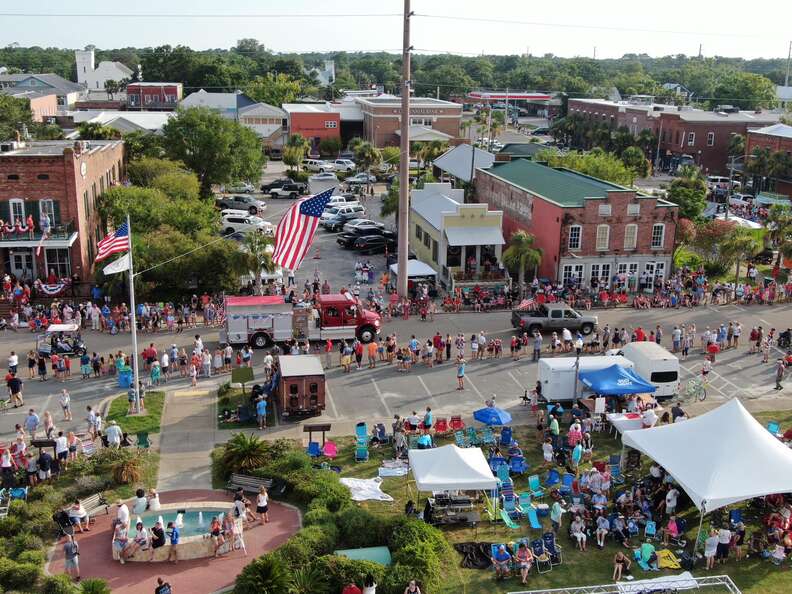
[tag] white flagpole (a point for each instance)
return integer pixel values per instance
(133, 321)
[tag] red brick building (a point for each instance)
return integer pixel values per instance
(586, 228)
(683, 131)
(430, 119)
(63, 179)
(153, 96)
(777, 137)
(314, 121)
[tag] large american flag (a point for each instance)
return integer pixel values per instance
(295, 232)
(115, 242)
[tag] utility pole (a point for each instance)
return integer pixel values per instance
(595, 52)
(786, 78)
(404, 159)
(437, 96)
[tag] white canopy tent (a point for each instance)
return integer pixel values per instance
(415, 268)
(719, 458)
(451, 468)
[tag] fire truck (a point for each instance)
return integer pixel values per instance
(262, 321)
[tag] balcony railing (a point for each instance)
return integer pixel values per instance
(492, 275)
(60, 231)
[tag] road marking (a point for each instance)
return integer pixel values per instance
(428, 392)
(331, 401)
(764, 321)
(381, 398)
(472, 385)
(515, 380)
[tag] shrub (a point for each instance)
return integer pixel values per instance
(339, 571)
(298, 176)
(306, 545)
(18, 576)
(86, 485)
(95, 586)
(127, 472)
(40, 522)
(318, 515)
(309, 580)
(359, 528)
(421, 559)
(25, 541)
(59, 584)
(406, 531)
(224, 389)
(265, 575)
(35, 557)
(244, 453)
(10, 525)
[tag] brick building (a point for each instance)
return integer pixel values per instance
(683, 131)
(314, 121)
(584, 226)
(154, 96)
(430, 119)
(43, 104)
(777, 137)
(63, 179)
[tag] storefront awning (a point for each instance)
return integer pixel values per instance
(474, 236)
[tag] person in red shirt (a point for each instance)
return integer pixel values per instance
(639, 334)
(351, 589)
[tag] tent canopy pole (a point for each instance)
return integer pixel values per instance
(701, 522)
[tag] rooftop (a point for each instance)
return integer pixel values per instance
(781, 130)
(756, 117)
(152, 84)
(22, 93)
(38, 81)
(224, 101)
(307, 108)
(562, 186)
(457, 161)
(50, 148)
(414, 101)
(524, 149)
(435, 199)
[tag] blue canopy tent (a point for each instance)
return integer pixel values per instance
(615, 381)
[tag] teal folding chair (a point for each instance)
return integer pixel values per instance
(503, 472)
(510, 524)
(535, 486)
(533, 518)
(524, 501)
(143, 442)
(774, 427)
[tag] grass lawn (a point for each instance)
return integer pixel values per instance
(751, 575)
(150, 421)
(233, 398)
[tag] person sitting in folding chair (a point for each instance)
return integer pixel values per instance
(621, 565)
(501, 560)
(525, 560)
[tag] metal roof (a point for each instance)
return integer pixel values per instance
(432, 201)
(474, 236)
(457, 161)
(781, 130)
(564, 187)
(49, 80)
(300, 365)
(697, 115)
(524, 149)
(254, 300)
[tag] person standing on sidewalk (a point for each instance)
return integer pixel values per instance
(537, 345)
(460, 361)
(71, 554)
(780, 368)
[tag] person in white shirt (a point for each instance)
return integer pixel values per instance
(122, 514)
(140, 503)
(62, 449)
(268, 360)
(671, 501)
(78, 516)
(114, 435)
(165, 365)
(649, 419)
(13, 362)
(65, 402)
(228, 357)
(724, 540)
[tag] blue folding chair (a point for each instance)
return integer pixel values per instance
(461, 440)
(541, 556)
(553, 478)
(472, 436)
(535, 486)
(617, 478)
(518, 465)
(487, 437)
(632, 528)
(566, 484)
(510, 507)
(774, 427)
(361, 430)
(735, 517)
(495, 462)
(18, 493)
(506, 436)
(553, 548)
(361, 454)
(503, 472)
(533, 518)
(313, 449)
(524, 501)
(650, 530)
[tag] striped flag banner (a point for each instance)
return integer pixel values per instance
(114, 243)
(295, 232)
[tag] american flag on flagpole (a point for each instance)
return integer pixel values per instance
(114, 243)
(295, 232)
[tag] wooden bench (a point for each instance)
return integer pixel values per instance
(94, 503)
(249, 484)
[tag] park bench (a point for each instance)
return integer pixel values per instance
(95, 503)
(249, 484)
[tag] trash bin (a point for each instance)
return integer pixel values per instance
(125, 378)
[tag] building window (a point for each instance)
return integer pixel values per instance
(572, 273)
(603, 237)
(58, 260)
(13, 177)
(691, 138)
(453, 256)
(627, 268)
(42, 176)
(86, 205)
(604, 210)
(17, 210)
(331, 124)
(47, 207)
(658, 235)
(434, 251)
(630, 236)
(601, 272)
(427, 240)
(574, 237)
(421, 122)
(710, 138)
(418, 232)
(633, 209)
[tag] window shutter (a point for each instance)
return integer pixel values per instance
(32, 209)
(56, 211)
(5, 210)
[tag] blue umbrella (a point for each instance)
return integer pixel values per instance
(492, 415)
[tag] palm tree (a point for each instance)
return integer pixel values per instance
(367, 156)
(257, 257)
(308, 580)
(265, 575)
(779, 165)
(743, 244)
(736, 145)
(758, 166)
(429, 151)
(647, 141)
(522, 255)
(779, 225)
(244, 453)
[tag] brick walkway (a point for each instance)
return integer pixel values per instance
(201, 576)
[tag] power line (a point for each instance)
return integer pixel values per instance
(591, 27)
(251, 15)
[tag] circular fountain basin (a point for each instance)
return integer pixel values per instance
(194, 540)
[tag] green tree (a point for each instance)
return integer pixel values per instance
(265, 575)
(111, 87)
(181, 185)
(367, 156)
(257, 257)
(779, 165)
(97, 131)
(274, 89)
(758, 166)
(779, 226)
(217, 149)
(744, 90)
(689, 192)
(742, 244)
(521, 255)
(142, 172)
(14, 114)
(736, 145)
(635, 159)
(330, 147)
(293, 157)
(141, 144)
(42, 131)
(596, 163)
(391, 156)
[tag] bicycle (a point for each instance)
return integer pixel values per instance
(696, 389)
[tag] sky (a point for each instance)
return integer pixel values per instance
(610, 28)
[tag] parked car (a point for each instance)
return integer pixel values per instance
(318, 165)
(347, 239)
(276, 183)
(290, 190)
(540, 131)
(241, 187)
(360, 179)
(358, 224)
(341, 200)
(764, 257)
(553, 317)
(325, 176)
(245, 224)
(344, 165)
(249, 204)
(375, 244)
(335, 218)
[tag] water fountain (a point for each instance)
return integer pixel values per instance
(179, 520)
(200, 518)
(161, 521)
(138, 521)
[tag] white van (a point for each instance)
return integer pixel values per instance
(656, 365)
(557, 376)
